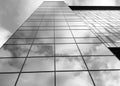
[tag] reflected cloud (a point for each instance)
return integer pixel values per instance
(42, 50)
(45, 63)
(63, 79)
(112, 77)
(8, 79)
(94, 49)
(11, 65)
(102, 62)
(36, 79)
(73, 79)
(70, 63)
(39, 64)
(66, 49)
(16, 50)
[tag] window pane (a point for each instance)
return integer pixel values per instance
(87, 40)
(8, 79)
(19, 41)
(31, 24)
(24, 34)
(63, 33)
(66, 49)
(44, 34)
(28, 28)
(106, 78)
(42, 50)
(36, 79)
(94, 49)
(39, 64)
(11, 64)
(102, 62)
(73, 79)
(44, 41)
(70, 63)
(64, 40)
(14, 50)
(82, 33)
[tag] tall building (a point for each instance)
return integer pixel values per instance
(56, 46)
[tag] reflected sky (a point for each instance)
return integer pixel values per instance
(36, 79)
(102, 62)
(11, 65)
(100, 78)
(8, 79)
(69, 53)
(70, 63)
(17, 12)
(39, 64)
(73, 79)
(42, 50)
(14, 50)
(105, 27)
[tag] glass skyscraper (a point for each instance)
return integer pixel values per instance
(56, 46)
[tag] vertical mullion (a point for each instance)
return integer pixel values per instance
(54, 50)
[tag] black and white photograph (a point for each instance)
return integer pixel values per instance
(59, 42)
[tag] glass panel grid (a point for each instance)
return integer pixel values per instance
(54, 47)
(104, 23)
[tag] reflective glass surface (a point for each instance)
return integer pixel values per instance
(73, 78)
(66, 49)
(70, 63)
(56, 46)
(42, 50)
(8, 79)
(39, 64)
(36, 79)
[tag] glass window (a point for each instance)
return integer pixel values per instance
(82, 33)
(103, 78)
(79, 28)
(94, 49)
(64, 40)
(31, 24)
(76, 23)
(19, 41)
(8, 79)
(63, 33)
(42, 50)
(24, 34)
(73, 79)
(46, 24)
(36, 79)
(87, 40)
(44, 41)
(39, 64)
(66, 50)
(11, 64)
(102, 62)
(70, 63)
(28, 28)
(45, 34)
(61, 24)
(14, 50)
